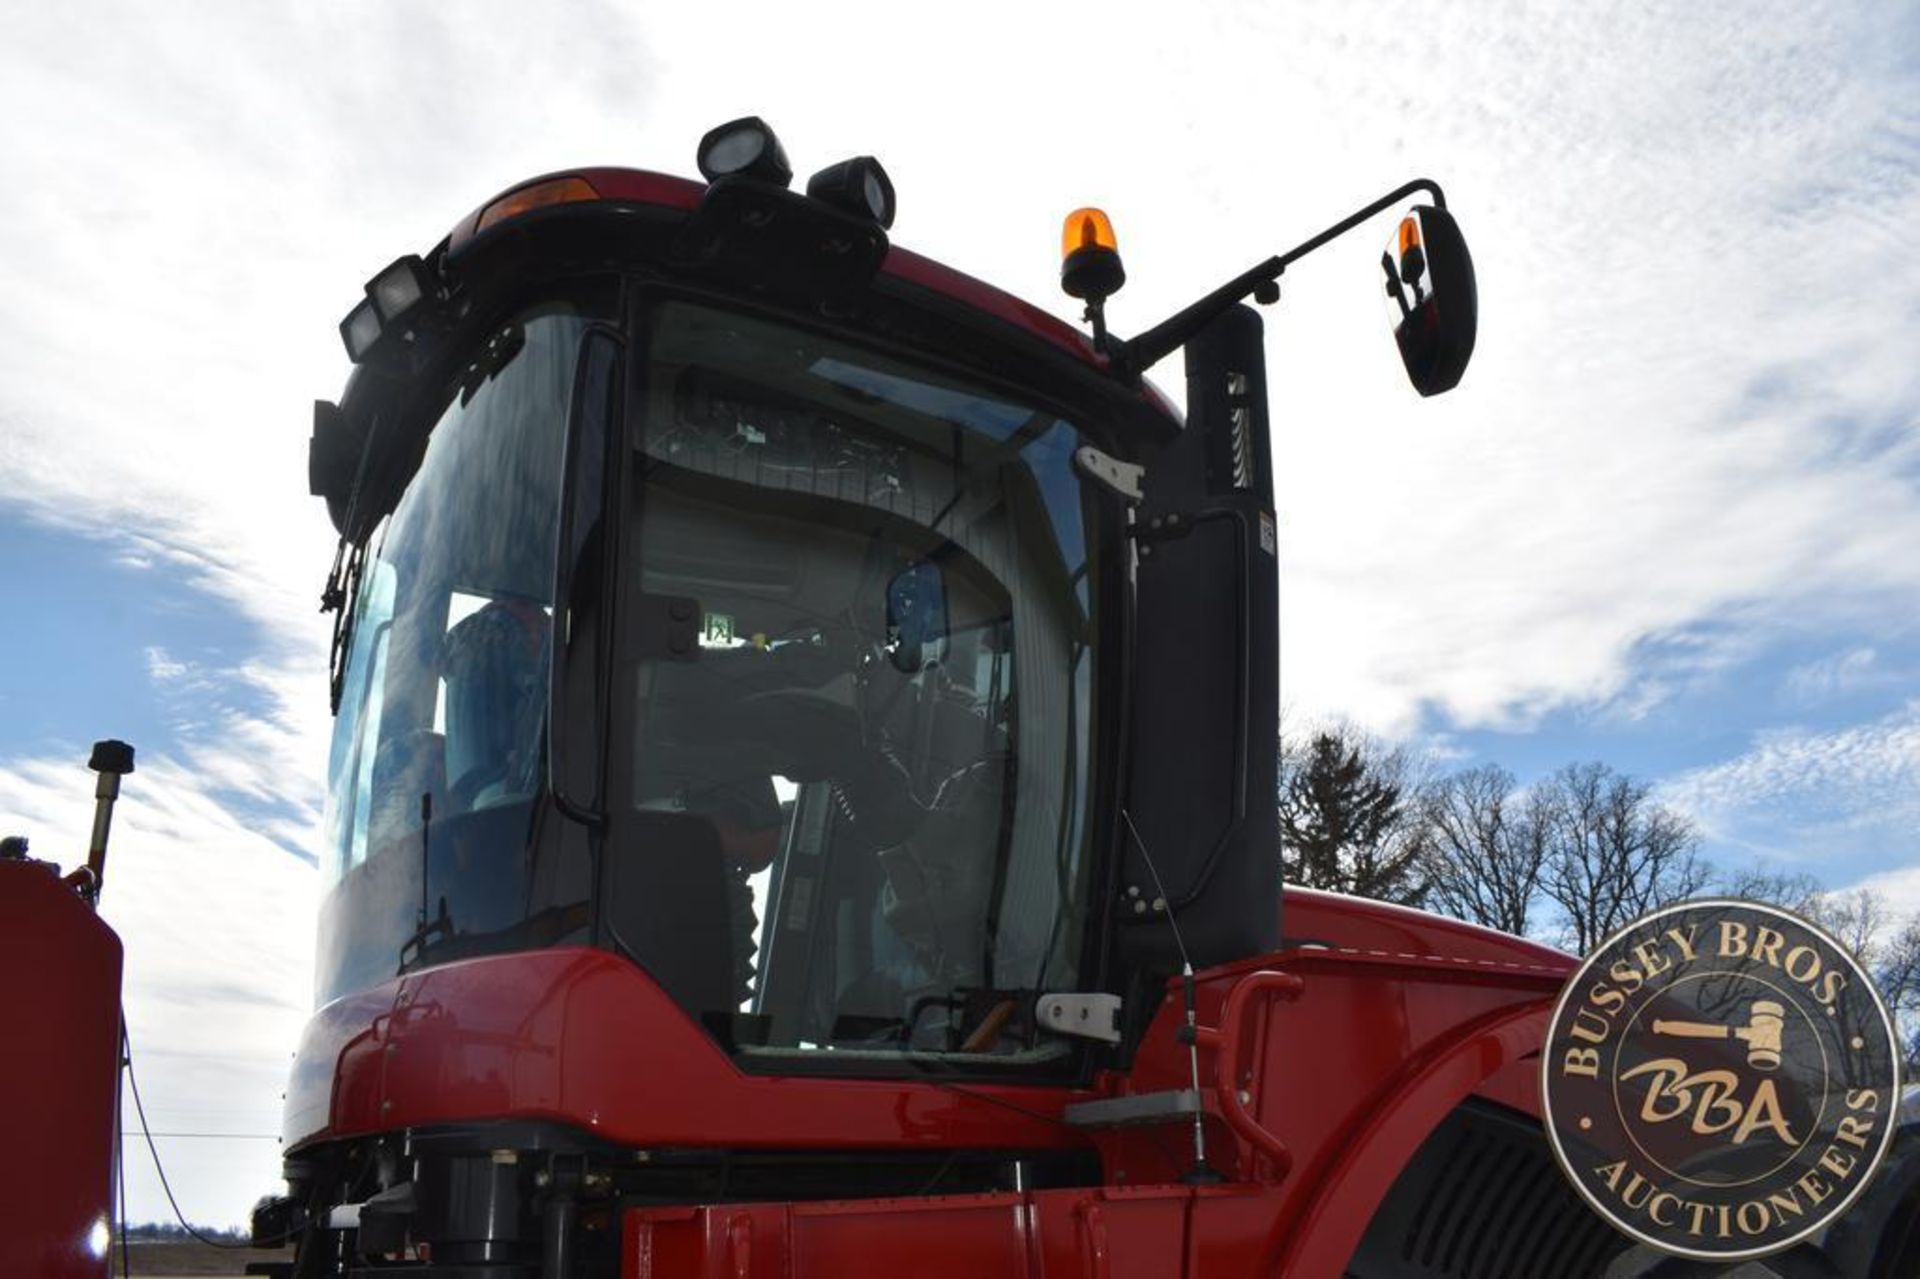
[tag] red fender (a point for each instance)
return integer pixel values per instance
(1324, 1236)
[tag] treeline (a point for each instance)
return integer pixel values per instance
(174, 1232)
(1568, 859)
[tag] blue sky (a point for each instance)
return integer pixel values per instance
(1669, 520)
(124, 647)
(1789, 705)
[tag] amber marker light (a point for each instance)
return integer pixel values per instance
(539, 195)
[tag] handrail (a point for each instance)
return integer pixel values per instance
(1226, 1041)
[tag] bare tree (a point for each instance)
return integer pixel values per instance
(1859, 920)
(1346, 808)
(1862, 921)
(1794, 891)
(1613, 854)
(1484, 847)
(1898, 975)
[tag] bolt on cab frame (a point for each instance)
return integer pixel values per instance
(800, 711)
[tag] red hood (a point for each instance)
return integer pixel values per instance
(1383, 930)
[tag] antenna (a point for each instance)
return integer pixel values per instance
(1202, 1173)
(426, 850)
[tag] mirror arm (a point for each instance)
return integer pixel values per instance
(1141, 352)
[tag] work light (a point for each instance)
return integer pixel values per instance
(858, 186)
(396, 290)
(360, 330)
(744, 148)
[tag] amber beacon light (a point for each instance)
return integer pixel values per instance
(1090, 256)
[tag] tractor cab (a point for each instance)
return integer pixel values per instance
(822, 624)
(796, 708)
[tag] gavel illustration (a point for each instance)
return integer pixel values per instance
(1766, 1021)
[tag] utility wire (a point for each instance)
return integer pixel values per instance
(120, 1170)
(126, 1053)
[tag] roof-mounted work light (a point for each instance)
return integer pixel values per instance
(399, 288)
(392, 295)
(360, 330)
(858, 186)
(744, 148)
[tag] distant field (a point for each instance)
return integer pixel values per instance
(191, 1260)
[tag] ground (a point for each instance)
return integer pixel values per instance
(190, 1260)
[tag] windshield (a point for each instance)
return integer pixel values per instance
(437, 753)
(861, 657)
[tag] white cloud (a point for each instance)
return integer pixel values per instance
(162, 667)
(1835, 675)
(1900, 888)
(1800, 794)
(1693, 394)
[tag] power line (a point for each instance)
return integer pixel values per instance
(238, 1136)
(140, 1111)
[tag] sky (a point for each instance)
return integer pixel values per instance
(1669, 519)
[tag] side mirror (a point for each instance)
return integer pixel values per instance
(1431, 299)
(333, 459)
(916, 614)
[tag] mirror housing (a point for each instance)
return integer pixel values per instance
(333, 459)
(1432, 301)
(916, 614)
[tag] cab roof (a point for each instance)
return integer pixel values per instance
(641, 187)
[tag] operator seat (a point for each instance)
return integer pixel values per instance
(667, 905)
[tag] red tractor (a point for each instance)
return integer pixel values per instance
(797, 709)
(802, 798)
